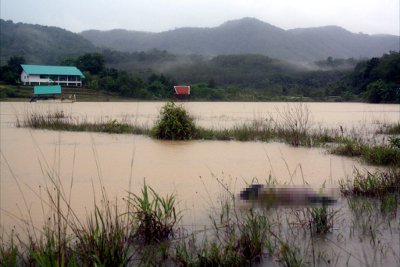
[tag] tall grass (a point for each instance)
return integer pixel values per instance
(143, 233)
(387, 155)
(376, 184)
(390, 129)
(157, 216)
(54, 121)
(107, 237)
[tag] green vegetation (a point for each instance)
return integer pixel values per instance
(322, 219)
(157, 215)
(40, 44)
(59, 122)
(14, 92)
(230, 77)
(293, 126)
(391, 129)
(11, 72)
(370, 153)
(144, 231)
(174, 124)
(377, 79)
(376, 184)
(250, 76)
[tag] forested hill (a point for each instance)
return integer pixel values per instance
(253, 36)
(40, 44)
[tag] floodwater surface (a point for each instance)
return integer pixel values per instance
(196, 171)
(193, 170)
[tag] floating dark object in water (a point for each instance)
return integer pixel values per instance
(285, 196)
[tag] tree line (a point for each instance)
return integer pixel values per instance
(234, 77)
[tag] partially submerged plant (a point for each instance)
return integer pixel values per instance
(253, 236)
(156, 216)
(174, 124)
(370, 184)
(295, 122)
(104, 239)
(322, 219)
(395, 142)
(291, 256)
(48, 252)
(388, 155)
(9, 251)
(59, 122)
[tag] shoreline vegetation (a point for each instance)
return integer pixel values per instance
(242, 77)
(293, 126)
(22, 93)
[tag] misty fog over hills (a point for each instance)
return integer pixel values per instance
(249, 35)
(50, 45)
(40, 44)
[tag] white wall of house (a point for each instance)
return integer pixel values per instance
(30, 79)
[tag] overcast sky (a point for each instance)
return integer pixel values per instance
(367, 16)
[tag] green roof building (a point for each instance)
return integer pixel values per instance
(47, 90)
(56, 75)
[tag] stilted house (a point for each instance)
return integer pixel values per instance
(51, 75)
(182, 92)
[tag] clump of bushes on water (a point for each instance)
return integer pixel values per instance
(174, 124)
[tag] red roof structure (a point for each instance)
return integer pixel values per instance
(182, 90)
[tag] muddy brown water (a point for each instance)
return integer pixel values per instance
(193, 170)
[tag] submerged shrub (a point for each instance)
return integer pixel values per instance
(174, 124)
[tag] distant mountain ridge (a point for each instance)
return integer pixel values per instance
(250, 35)
(40, 44)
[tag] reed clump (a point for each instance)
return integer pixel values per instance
(377, 184)
(103, 239)
(58, 121)
(391, 129)
(322, 219)
(386, 155)
(238, 240)
(9, 250)
(156, 216)
(108, 237)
